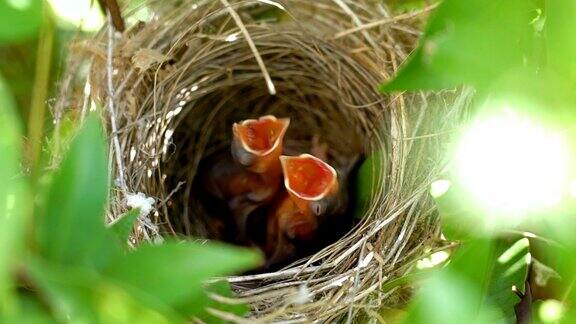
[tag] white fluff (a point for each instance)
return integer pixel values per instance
(140, 201)
(302, 296)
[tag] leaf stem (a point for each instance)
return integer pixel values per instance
(37, 114)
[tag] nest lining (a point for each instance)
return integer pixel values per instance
(181, 79)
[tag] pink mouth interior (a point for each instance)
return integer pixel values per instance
(308, 177)
(261, 135)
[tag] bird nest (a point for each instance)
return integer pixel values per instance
(174, 83)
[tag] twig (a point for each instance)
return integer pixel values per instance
(112, 8)
(253, 48)
(385, 21)
(354, 289)
(227, 316)
(175, 190)
(110, 83)
(288, 273)
(356, 21)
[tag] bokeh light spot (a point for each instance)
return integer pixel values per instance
(551, 311)
(439, 187)
(19, 4)
(510, 163)
(83, 14)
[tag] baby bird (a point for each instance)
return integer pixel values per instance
(311, 191)
(252, 176)
(258, 143)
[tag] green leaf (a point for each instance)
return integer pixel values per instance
(455, 293)
(123, 226)
(509, 269)
(560, 254)
(14, 197)
(460, 218)
(449, 299)
(81, 295)
(366, 182)
(406, 279)
(468, 42)
(32, 312)
(545, 96)
(172, 274)
(19, 19)
(472, 262)
(477, 285)
(560, 45)
(71, 230)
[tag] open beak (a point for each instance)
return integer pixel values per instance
(307, 179)
(258, 142)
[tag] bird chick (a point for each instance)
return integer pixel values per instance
(312, 183)
(252, 175)
(258, 143)
(311, 188)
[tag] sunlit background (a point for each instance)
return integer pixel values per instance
(84, 14)
(511, 163)
(508, 167)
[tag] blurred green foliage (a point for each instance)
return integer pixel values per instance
(20, 23)
(560, 46)
(14, 200)
(58, 261)
(471, 42)
(80, 187)
(522, 53)
(123, 226)
(366, 184)
(19, 20)
(77, 266)
(476, 284)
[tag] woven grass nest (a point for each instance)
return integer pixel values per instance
(173, 84)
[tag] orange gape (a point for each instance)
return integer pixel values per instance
(311, 184)
(261, 134)
(258, 143)
(254, 174)
(308, 176)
